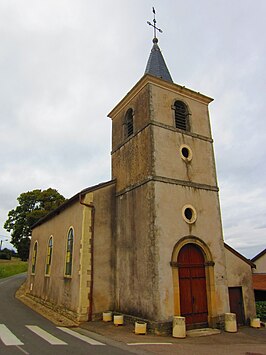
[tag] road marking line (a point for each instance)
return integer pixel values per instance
(7, 337)
(80, 336)
(45, 335)
(149, 343)
(25, 352)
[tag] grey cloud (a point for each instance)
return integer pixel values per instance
(64, 65)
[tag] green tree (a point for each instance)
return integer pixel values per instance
(23, 248)
(32, 206)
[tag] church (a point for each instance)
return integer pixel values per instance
(149, 242)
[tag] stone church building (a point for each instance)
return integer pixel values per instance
(149, 242)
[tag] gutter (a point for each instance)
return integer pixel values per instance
(91, 206)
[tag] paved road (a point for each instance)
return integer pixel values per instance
(22, 331)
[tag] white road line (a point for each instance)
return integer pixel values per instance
(149, 343)
(25, 352)
(80, 336)
(7, 337)
(45, 335)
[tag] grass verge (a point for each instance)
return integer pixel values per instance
(12, 267)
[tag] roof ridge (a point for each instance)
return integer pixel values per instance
(248, 261)
(259, 255)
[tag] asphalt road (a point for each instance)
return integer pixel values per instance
(22, 331)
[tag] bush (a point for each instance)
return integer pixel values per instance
(5, 254)
(261, 309)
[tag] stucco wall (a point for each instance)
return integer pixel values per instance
(162, 101)
(57, 289)
(141, 116)
(129, 164)
(171, 227)
(93, 216)
(104, 247)
(148, 229)
(168, 162)
(186, 182)
(260, 265)
(239, 274)
(137, 273)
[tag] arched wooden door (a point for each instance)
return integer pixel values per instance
(192, 284)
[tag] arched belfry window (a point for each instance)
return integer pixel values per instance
(129, 124)
(181, 116)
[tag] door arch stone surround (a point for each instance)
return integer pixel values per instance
(209, 271)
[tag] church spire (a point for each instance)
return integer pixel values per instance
(156, 65)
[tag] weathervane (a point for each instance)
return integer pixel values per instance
(154, 24)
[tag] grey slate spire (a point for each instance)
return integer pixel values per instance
(156, 65)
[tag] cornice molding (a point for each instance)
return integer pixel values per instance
(149, 79)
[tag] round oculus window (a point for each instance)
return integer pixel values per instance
(189, 214)
(185, 152)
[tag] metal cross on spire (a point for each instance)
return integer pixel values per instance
(154, 24)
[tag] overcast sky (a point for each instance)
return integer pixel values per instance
(66, 63)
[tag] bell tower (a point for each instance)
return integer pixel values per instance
(169, 243)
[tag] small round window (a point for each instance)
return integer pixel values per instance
(189, 214)
(185, 152)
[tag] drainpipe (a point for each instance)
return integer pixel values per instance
(91, 206)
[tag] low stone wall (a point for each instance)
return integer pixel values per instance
(45, 309)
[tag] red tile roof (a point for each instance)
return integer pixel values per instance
(259, 282)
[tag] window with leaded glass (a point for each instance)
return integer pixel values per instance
(69, 252)
(34, 258)
(49, 256)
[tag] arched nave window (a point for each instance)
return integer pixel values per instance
(69, 252)
(49, 256)
(34, 258)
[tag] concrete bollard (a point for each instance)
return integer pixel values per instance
(140, 328)
(118, 319)
(179, 327)
(107, 316)
(230, 322)
(255, 322)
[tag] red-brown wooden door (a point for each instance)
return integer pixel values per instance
(236, 304)
(192, 285)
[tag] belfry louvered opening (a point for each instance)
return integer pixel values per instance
(129, 122)
(181, 115)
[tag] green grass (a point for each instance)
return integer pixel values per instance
(12, 267)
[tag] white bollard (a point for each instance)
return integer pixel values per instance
(230, 323)
(255, 322)
(140, 328)
(179, 327)
(107, 316)
(118, 319)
